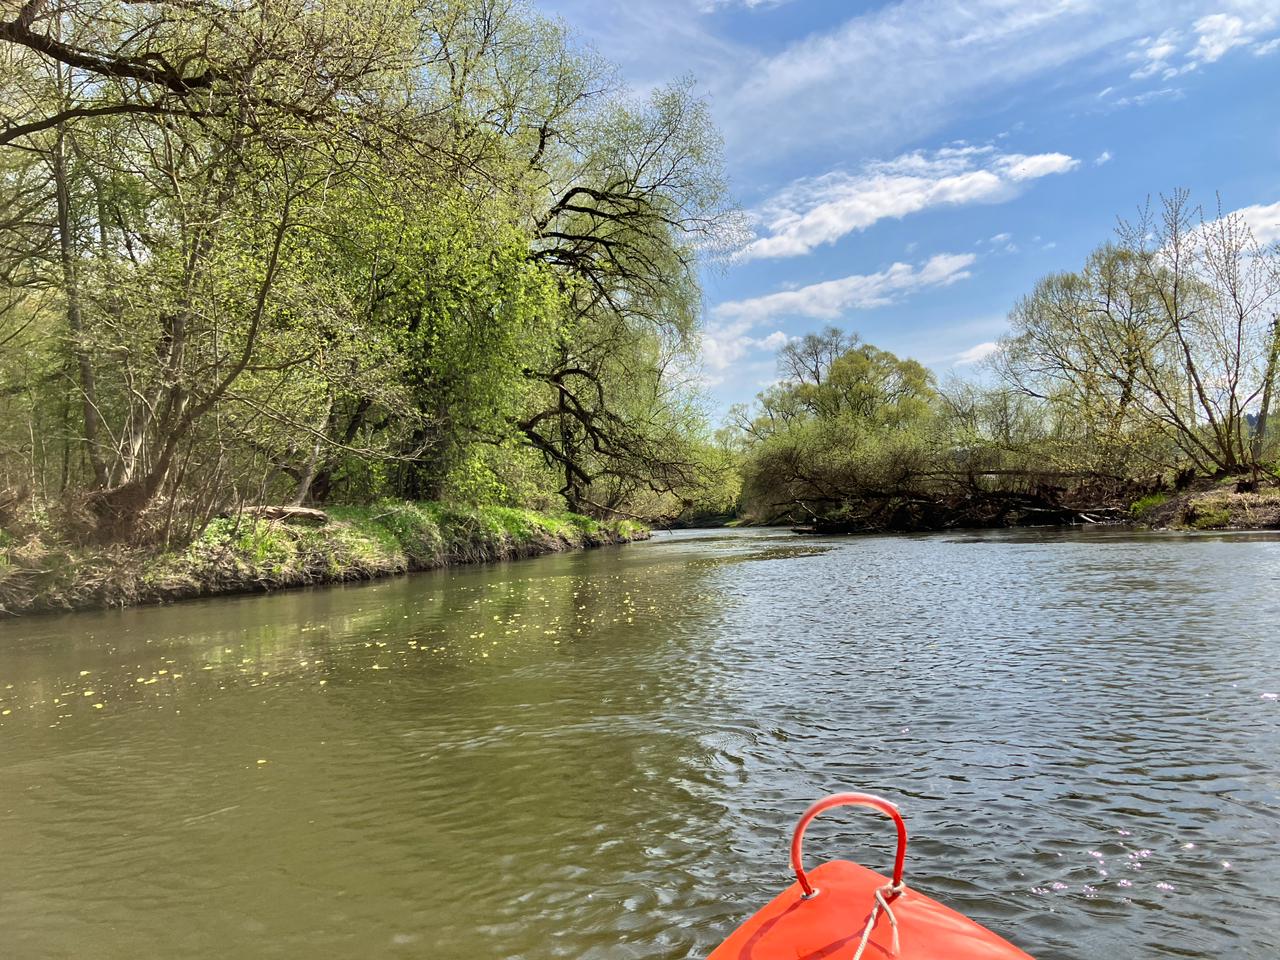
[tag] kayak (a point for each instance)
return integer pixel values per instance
(844, 911)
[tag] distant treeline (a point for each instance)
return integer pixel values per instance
(1152, 365)
(296, 251)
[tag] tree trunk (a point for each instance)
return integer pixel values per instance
(308, 474)
(1268, 385)
(322, 482)
(309, 471)
(75, 319)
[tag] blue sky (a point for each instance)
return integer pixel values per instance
(911, 168)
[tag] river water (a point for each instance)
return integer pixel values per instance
(600, 755)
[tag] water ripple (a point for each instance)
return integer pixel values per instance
(600, 755)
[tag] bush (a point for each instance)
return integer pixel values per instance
(1213, 518)
(1144, 505)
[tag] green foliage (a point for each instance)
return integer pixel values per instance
(1141, 507)
(1211, 518)
(243, 554)
(411, 529)
(462, 266)
(851, 422)
(1155, 350)
(1160, 355)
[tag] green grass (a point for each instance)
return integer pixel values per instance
(1213, 518)
(1144, 505)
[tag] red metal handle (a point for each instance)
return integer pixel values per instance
(841, 800)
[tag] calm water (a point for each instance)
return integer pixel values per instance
(599, 755)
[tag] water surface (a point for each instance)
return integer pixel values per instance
(599, 755)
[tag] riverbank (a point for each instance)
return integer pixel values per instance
(1231, 503)
(245, 554)
(1210, 506)
(968, 510)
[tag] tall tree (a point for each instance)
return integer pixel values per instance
(1167, 334)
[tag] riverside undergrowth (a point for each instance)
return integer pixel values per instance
(238, 554)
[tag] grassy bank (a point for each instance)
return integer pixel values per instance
(242, 554)
(1211, 505)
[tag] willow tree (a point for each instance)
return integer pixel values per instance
(636, 202)
(858, 433)
(1162, 348)
(1088, 346)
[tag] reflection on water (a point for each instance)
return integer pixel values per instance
(599, 755)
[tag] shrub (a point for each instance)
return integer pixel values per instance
(1144, 505)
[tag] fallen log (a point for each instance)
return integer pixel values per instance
(285, 514)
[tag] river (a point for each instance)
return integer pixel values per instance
(601, 754)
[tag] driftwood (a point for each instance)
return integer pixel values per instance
(974, 509)
(304, 515)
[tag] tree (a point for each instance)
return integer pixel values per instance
(209, 134)
(808, 359)
(1089, 347)
(855, 431)
(298, 250)
(1161, 345)
(637, 201)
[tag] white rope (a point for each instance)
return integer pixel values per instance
(881, 904)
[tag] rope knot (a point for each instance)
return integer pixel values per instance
(881, 905)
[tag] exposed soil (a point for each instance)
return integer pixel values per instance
(1215, 506)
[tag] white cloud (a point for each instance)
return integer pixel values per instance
(729, 334)
(830, 299)
(1237, 23)
(939, 345)
(1103, 157)
(1264, 221)
(654, 40)
(898, 72)
(1219, 33)
(774, 341)
(1001, 243)
(723, 345)
(976, 353)
(1142, 99)
(820, 210)
(891, 75)
(1216, 34)
(1018, 167)
(1154, 54)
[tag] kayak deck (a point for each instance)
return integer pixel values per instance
(830, 925)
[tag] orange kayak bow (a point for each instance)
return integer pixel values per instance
(843, 911)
